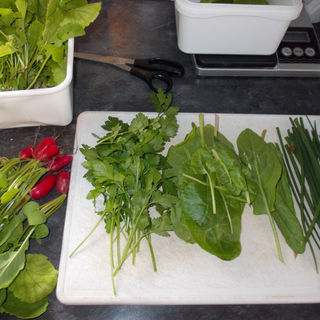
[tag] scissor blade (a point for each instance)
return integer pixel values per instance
(104, 59)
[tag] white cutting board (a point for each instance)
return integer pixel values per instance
(186, 274)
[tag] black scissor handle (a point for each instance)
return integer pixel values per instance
(152, 76)
(172, 68)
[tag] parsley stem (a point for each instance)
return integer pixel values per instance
(88, 235)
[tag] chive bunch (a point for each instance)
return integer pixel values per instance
(301, 151)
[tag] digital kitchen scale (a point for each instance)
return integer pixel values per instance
(297, 56)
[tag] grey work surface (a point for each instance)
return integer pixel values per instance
(146, 28)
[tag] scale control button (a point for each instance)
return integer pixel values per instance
(310, 52)
(298, 52)
(286, 51)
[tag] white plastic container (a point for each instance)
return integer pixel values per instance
(45, 106)
(218, 28)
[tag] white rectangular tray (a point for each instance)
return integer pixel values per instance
(186, 273)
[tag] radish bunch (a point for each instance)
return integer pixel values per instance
(48, 152)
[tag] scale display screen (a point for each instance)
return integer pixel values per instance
(296, 36)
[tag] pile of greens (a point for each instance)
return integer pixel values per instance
(124, 168)
(210, 187)
(26, 280)
(33, 37)
(212, 184)
(236, 1)
(199, 189)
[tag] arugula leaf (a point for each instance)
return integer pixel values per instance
(11, 262)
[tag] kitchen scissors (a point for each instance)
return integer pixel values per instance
(149, 70)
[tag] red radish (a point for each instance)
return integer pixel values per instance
(63, 180)
(43, 187)
(44, 144)
(46, 152)
(26, 153)
(59, 162)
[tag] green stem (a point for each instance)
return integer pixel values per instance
(88, 235)
(38, 73)
(195, 179)
(274, 230)
(148, 237)
(213, 198)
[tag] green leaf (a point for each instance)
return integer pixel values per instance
(40, 232)
(57, 71)
(11, 263)
(5, 11)
(3, 296)
(70, 30)
(57, 52)
(32, 211)
(36, 281)
(11, 232)
(83, 15)
(162, 225)
(3, 181)
(165, 200)
(265, 169)
(285, 215)
(210, 231)
(228, 168)
(9, 195)
(6, 49)
(34, 34)
(179, 224)
(23, 310)
(22, 7)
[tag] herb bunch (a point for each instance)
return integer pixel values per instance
(301, 148)
(33, 37)
(125, 169)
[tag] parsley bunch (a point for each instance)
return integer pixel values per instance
(125, 169)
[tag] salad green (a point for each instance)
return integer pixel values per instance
(267, 171)
(211, 191)
(26, 280)
(33, 40)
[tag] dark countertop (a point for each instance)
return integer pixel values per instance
(146, 28)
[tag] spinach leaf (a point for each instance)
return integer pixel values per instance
(265, 168)
(285, 215)
(215, 230)
(211, 191)
(274, 197)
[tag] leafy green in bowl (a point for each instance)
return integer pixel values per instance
(33, 38)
